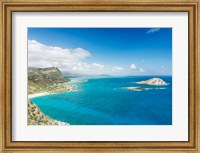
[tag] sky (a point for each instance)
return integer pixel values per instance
(97, 51)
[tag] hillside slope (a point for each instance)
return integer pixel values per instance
(36, 117)
(40, 78)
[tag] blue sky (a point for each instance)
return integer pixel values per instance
(118, 51)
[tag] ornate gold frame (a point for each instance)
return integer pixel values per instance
(9, 6)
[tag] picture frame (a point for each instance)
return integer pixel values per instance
(8, 7)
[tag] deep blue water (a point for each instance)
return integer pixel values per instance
(106, 101)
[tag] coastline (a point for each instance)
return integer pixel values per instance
(39, 94)
(50, 121)
(37, 117)
(59, 90)
(67, 115)
(60, 122)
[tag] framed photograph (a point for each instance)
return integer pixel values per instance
(109, 76)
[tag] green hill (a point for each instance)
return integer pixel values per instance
(39, 79)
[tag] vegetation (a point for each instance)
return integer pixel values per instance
(41, 80)
(46, 80)
(36, 117)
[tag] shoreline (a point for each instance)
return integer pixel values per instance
(37, 117)
(39, 94)
(60, 122)
(62, 90)
(66, 89)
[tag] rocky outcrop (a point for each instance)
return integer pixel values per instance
(153, 81)
(136, 88)
(36, 117)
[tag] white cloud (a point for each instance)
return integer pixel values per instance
(152, 30)
(66, 59)
(142, 70)
(40, 55)
(117, 69)
(133, 66)
(98, 66)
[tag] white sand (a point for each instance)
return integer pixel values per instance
(39, 94)
(46, 93)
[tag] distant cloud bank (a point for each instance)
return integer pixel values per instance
(67, 59)
(75, 61)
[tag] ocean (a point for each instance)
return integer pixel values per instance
(106, 101)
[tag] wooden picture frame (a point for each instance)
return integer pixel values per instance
(9, 6)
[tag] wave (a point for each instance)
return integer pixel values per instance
(160, 88)
(141, 88)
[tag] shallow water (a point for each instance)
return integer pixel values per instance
(106, 101)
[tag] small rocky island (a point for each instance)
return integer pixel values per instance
(136, 88)
(153, 81)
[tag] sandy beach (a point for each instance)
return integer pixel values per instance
(49, 119)
(38, 94)
(69, 89)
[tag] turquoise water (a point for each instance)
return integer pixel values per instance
(106, 101)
